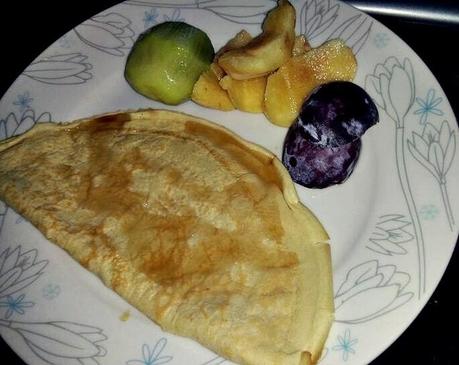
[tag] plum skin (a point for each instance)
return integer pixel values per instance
(337, 113)
(323, 145)
(314, 166)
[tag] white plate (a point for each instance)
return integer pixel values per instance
(393, 223)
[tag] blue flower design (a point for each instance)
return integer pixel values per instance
(428, 212)
(51, 291)
(345, 344)
(152, 356)
(23, 101)
(381, 40)
(150, 17)
(175, 17)
(428, 106)
(15, 305)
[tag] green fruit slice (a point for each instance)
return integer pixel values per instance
(167, 60)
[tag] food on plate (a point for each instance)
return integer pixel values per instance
(208, 92)
(322, 147)
(300, 45)
(241, 39)
(280, 94)
(287, 88)
(337, 113)
(266, 52)
(271, 73)
(246, 95)
(199, 229)
(314, 166)
(166, 61)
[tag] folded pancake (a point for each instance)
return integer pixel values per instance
(197, 228)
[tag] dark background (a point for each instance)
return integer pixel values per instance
(432, 338)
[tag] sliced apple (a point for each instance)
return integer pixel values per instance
(287, 88)
(266, 52)
(300, 45)
(241, 39)
(208, 92)
(246, 95)
(285, 91)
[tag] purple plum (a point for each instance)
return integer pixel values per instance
(314, 166)
(337, 113)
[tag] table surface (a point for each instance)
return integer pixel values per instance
(432, 338)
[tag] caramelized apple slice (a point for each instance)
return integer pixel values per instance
(208, 92)
(300, 45)
(332, 61)
(241, 39)
(285, 90)
(292, 82)
(246, 95)
(266, 52)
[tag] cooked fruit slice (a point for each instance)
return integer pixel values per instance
(208, 92)
(217, 70)
(287, 88)
(266, 52)
(246, 95)
(241, 39)
(300, 45)
(332, 61)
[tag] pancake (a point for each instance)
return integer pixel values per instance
(199, 229)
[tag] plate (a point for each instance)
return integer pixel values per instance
(393, 224)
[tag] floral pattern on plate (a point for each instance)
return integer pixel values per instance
(387, 271)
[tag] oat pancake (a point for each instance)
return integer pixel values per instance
(197, 228)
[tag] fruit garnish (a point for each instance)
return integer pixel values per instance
(337, 113)
(167, 60)
(287, 88)
(314, 166)
(322, 147)
(267, 51)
